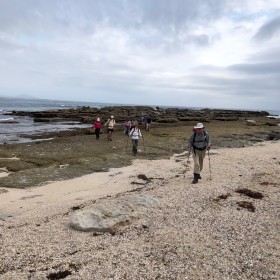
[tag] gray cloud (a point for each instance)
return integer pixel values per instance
(268, 55)
(172, 51)
(265, 68)
(269, 29)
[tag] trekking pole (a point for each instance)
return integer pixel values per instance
(144, 144)
(187, 165)
(209, 165)
(126, 143)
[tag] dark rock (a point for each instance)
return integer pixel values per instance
(158, 114)
(274, 135)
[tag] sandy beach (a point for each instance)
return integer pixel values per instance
(199, 231)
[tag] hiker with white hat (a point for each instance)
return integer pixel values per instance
(198, 143)
(110, 127)
(97, 127)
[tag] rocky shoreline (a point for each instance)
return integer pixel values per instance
(158, 114)
(69, 154)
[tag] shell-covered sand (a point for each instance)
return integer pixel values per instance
(199, 231)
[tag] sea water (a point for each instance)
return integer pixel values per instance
(12, 126)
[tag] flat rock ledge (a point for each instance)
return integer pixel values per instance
(108, 218)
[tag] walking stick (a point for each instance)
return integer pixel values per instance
(209, 165)
(126, 143)
(187, 165)
(144, 144)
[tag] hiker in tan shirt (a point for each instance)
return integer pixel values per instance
(110, 127)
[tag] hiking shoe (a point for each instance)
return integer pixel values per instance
(199, 177)
(194, 181)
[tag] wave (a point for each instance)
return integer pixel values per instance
(7, 119)
(274, 117)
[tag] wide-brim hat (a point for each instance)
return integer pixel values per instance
(198, 125)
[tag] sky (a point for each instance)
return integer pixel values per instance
(202, 53)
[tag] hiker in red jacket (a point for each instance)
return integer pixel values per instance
(97, 126)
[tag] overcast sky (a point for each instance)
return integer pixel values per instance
(202, 53)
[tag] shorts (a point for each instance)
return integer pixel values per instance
(110, 129)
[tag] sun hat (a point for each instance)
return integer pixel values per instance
(198, 125)
(98, 119)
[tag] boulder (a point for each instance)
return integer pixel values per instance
(107, 218)
(251, 122)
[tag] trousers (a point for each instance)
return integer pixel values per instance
(198, 157)
(134, 146)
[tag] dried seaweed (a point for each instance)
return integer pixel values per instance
(252, 194)
(222, 196)
(247, 205)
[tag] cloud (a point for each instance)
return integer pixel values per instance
(269, 29)
(267, 68)
(142, 51)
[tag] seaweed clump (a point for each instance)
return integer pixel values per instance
(249, 193)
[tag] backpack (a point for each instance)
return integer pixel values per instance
(194, 136)
(136, 131)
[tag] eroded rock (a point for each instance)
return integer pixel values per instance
(108, 218)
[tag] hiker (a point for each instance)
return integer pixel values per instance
(133, 121)
(127, 126)
(148, 122)
(110, 127)
(135, 134)
(142, 118)
(198, 143)
(97, 127)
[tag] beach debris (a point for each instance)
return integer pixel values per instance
(78, 207)
(143, 177)
(108, 218)
(247, 205)
(59, 275)
(222, 197)
(4, 217)
(250, 193)
(137, 183)
(30, 196)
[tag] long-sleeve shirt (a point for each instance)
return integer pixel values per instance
(97, 124)
(199, 140)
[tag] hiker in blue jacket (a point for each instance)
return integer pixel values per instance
(198, 143)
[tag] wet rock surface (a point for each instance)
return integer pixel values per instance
(73, 153)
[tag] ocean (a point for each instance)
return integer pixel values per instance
(12, 126)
